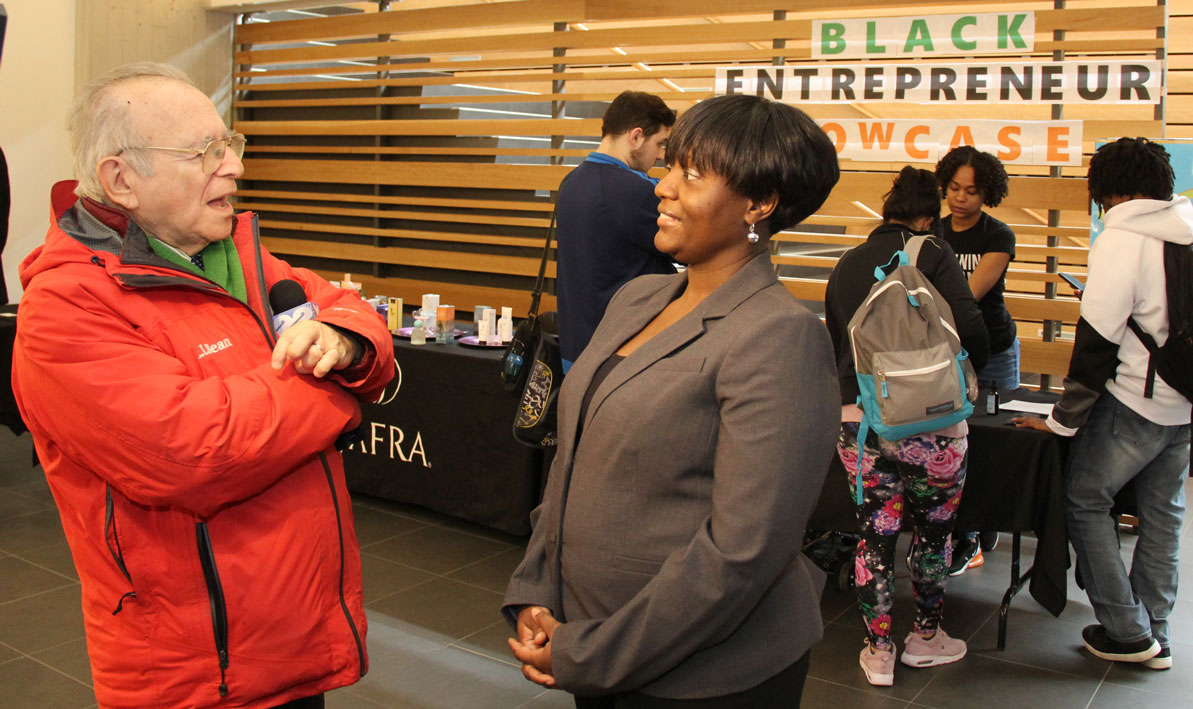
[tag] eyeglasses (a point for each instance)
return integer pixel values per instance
(212, 153)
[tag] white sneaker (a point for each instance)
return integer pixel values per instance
(940, 649)
(1162, 661)
(879, 665)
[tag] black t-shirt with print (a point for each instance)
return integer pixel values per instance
(989, 235)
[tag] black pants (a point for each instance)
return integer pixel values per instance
(782, 691)
(315, 702)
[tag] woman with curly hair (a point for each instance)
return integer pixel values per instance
(985, 247)
(918, 478)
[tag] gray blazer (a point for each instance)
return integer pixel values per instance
(703, 453)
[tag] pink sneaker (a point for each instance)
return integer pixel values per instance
(879, 665)
(940, 649)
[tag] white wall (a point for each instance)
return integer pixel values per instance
(37, 81)
(54, 46)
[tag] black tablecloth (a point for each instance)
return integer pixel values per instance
(442, 439)
(1013, 484)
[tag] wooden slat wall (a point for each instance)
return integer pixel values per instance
(433, 171)
(179, 32)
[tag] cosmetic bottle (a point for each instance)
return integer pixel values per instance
(505, 326)
(418, 336)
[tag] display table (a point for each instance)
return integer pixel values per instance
(1013, 484)
(441, 438)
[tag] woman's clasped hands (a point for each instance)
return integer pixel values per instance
(532, 647)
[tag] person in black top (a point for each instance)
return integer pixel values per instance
(606, 211)
(919, 477)
(985, 247)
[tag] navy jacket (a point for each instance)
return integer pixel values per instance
(606, 226)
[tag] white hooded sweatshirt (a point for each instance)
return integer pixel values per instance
(1126, 278)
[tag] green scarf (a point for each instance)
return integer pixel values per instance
(221, 265)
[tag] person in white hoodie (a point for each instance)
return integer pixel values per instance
(1120, 433)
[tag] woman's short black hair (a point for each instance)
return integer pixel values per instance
(761, 148)
(1130, 166)
(914, 195)
(989, 176)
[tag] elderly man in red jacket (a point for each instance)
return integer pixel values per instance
(190, 449)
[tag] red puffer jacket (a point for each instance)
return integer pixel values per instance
(200, 490)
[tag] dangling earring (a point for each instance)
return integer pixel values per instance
(752, 237)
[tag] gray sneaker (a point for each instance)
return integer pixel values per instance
(940, 649)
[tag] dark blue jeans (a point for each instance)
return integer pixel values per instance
(1114, 447)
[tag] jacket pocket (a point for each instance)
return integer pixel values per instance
(636, 564)
(215, 594)
(112, 539)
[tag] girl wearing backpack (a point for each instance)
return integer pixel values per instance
(920, 476)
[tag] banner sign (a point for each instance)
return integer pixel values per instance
(912, 140)
(1087, 81)
(924, 36)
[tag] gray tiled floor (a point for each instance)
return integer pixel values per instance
(432, 591)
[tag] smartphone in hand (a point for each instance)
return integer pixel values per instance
(1073, 281)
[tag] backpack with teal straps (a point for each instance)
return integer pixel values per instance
(913, 373)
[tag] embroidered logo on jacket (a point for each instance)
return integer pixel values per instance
(206, 349)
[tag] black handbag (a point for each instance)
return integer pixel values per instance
(532, 366)
(536, 420)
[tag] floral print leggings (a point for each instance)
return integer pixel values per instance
(924, 473)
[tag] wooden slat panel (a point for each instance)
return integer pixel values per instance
(332, 231)
(793, 30)
(806, 288)
(1045, 357)
(507, 44)
(430, 174)
(454, 217)
(398, 21)
(488, 78)
(1065, 254)
(1099, 19)
(423, 150)
(461, 98)
(384, 199)
(1024, 307)
(423, 258)
(426, 127)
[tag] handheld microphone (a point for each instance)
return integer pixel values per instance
(289, 301)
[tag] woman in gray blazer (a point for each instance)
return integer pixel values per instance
(694, 434)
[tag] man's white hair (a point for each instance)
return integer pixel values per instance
(100, 125)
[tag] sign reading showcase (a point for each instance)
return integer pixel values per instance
(1125, 82)
(909, 140)
(932, 35)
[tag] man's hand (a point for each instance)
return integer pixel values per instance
(1031, 422)
(314, 348)
(532, 647)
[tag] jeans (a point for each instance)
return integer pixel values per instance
(1002, 369)
(1116, 446)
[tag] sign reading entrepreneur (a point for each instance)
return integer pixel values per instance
(924, 36)
(1090, 81)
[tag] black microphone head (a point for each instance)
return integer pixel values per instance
(286, 294)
